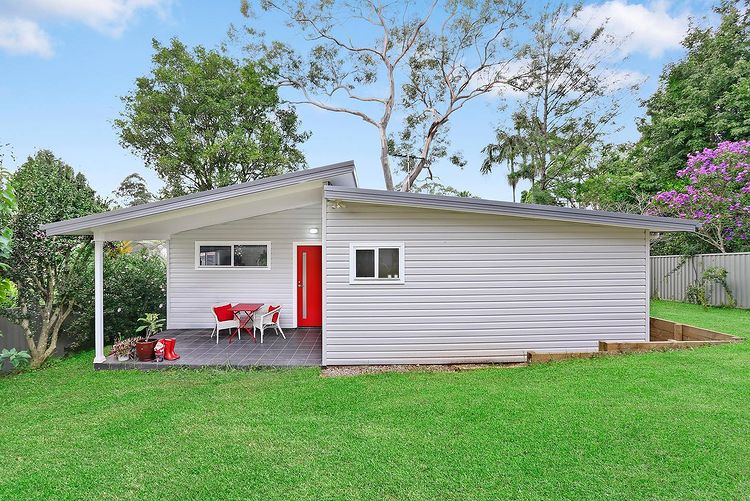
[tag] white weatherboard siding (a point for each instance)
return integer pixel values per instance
(481, 287)
(192, 292)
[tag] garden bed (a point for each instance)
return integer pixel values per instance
(663, 334)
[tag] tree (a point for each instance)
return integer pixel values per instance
(133, 191)
(507, 148)
(717, 193)
(7, 208)
(202, 120)
(573, 92)
(47, 271)
(372, 59)
(702, 99)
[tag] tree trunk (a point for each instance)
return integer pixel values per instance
(384, 161)
(412, 176)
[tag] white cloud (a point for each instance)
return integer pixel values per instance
(21, 36)
(23, 19)
(617, 79)
(108, 16)
(649, 28)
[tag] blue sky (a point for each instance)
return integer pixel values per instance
(64, 64)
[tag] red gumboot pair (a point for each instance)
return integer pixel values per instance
(169, 353)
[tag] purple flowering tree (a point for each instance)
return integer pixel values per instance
(717, 193)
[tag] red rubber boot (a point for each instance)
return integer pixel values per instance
(169, 353)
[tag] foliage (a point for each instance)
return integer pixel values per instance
(699, 293)
(436, 187)
(202, 120)
(378, 60)
(132, 283)
(571, 103)
(151, 323)
(684, 244)
(18, 359)
(717, 193)
(133, 191)
(508, 148)
(702, 100)
(47, 271)
(7, 207)
(124, 346)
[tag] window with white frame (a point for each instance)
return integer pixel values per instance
(376, 263)
(213, 255)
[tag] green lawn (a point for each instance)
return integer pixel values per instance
(658, 425)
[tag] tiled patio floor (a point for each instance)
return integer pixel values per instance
(301, 348)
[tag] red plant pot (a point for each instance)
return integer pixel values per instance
(145, 349)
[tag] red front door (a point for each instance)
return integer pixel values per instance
(309, 286)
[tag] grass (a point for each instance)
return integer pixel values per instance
(659, 425)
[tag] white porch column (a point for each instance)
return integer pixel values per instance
(99, 301)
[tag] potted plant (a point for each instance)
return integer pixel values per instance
(144, 346)
(123, 348)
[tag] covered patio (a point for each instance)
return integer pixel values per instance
(301, 348)
(255, 243)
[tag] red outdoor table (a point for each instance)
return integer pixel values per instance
(248, 309)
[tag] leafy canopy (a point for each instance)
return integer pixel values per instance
(47, 271)
(203, 120)
(7, 207)
(405, 68)
(702, 99)
(717, 193)
(571, 103)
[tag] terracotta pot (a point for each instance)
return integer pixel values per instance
(145, 350)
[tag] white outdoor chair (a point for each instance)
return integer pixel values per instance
(271, 318)
(234, 323)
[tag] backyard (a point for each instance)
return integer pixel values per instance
(657, 425)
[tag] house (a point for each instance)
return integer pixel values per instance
(396, 277)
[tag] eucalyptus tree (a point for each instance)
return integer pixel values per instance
(573, 88)
(133, 191)
(423, 61)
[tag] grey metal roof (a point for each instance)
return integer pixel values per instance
(481, 206)
(119, 215)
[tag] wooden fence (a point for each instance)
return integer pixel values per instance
(671, 276)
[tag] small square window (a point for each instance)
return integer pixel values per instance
(372, 263)
(365, 263)
(215, 255)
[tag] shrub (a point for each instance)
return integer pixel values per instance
(133, 283)
(698, 293)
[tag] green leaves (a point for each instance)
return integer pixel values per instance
(152, 324)
(202, 120)
(703, 99)
(18, 359)
(46, 271)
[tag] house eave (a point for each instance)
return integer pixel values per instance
(482, 206)
(343, 172)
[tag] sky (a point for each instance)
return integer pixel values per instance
(65, 63)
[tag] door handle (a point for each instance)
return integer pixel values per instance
(299, 284)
